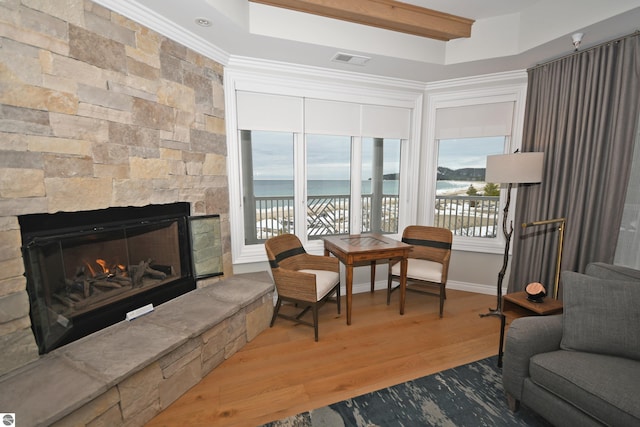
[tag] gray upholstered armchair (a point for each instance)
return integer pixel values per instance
(581, 367)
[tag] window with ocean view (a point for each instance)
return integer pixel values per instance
(380, 185)
(315, 167)
(468, 127)
(328, 164)
(267, 184)
(465, 203)
(270, 192)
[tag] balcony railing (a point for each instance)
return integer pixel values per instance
(472, 216)
(327, 215)
(274, 216)
(388, 214)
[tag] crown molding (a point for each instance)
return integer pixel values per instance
(335, 76)
(147, 17)
(516, 76)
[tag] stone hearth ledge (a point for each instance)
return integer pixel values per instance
(131, 371)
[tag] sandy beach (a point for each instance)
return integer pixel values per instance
(462, 191)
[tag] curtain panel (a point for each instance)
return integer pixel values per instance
(582, 112)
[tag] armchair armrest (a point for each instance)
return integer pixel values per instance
(295, 284)
(612, 272)
(526, 337)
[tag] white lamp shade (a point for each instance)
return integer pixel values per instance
(514, 168)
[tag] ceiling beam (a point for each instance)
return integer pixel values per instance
(388, 14)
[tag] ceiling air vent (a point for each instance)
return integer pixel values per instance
(348, 58)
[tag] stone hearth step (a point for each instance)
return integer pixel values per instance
(129, 372)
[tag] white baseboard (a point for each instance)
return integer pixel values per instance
(474, 287)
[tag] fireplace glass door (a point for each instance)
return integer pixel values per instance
(78, 277)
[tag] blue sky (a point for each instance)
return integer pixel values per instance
(468, 153)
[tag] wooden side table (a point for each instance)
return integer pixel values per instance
(520, 306)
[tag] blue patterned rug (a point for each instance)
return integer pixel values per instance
(469, 395)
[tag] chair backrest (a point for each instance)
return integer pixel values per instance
(430, 243)
(283, 251)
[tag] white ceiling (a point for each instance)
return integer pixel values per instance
(507, 34)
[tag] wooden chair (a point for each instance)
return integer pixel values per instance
(428, 263)
(303, 279)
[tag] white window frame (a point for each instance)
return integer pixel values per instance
(459, 97)
(359, 89)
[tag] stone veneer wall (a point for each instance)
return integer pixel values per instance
(97, 111)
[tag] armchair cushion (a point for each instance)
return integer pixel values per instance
(603, 315)
(602, 386)
(325, 281)
(421, 269)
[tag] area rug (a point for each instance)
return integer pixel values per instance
(469, 395)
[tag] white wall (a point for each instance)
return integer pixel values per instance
(468, 271)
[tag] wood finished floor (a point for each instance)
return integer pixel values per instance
(284, 371)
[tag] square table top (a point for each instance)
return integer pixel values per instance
(353, 242)
(370, 245)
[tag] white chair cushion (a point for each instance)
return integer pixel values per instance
(421, 269)
(325, 281)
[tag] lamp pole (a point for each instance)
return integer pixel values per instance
(507, 237)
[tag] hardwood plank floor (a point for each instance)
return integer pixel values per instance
(284, 371)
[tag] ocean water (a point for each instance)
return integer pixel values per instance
(280, 188)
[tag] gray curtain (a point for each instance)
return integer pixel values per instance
(582, 112)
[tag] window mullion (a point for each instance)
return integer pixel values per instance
(356, 185)
(300, 187)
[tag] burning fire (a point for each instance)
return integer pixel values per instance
(102, 263)
(116, 269)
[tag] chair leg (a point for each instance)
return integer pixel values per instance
(389, 289)
(315, 320)
(513, 403)
(442, 297)
(276, 309)
(338, 297)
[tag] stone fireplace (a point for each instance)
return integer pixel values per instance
(99, 112)
(88, 270)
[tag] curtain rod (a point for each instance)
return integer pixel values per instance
(542, 64)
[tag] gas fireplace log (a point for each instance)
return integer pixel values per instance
(166, 269)
(122, 280)
(75, 297)
(65, 301)
(138, 272)
(106, 284)
(143, 269)
(100, 296)
(156, 274)
(75, 286)
(79, 272)
(86, 288)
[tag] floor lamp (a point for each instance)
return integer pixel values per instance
(516, 168)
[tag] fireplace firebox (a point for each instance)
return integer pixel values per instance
(87, 270)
